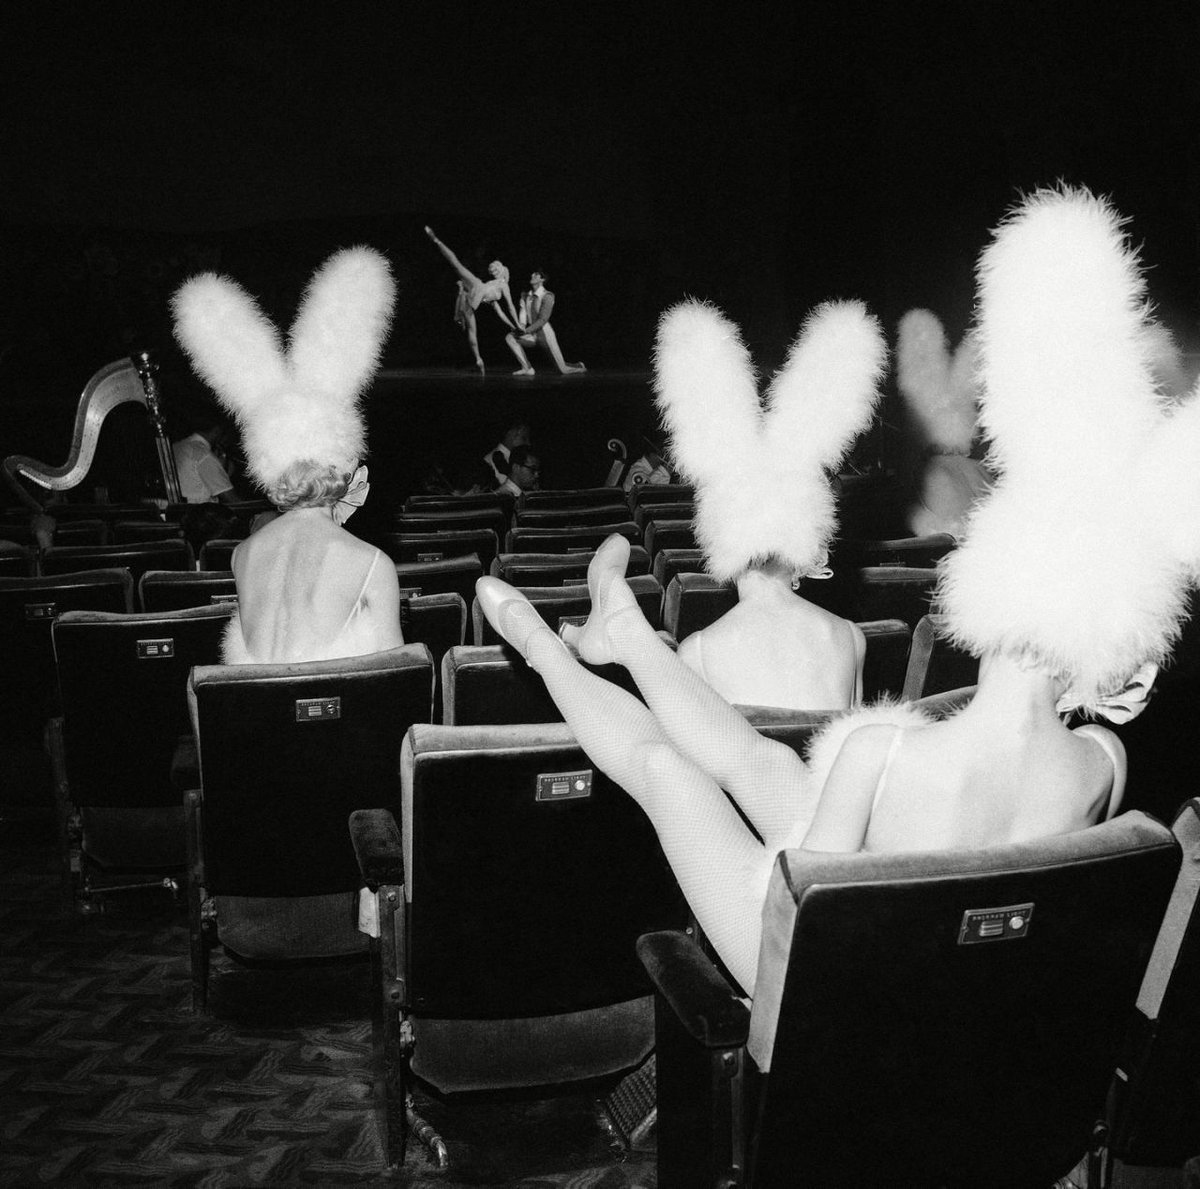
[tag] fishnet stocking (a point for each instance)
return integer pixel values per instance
(721, 868)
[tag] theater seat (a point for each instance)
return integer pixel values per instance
(929, 1018)
(1152, 1120)
(661, 493)
(602, 514)
(666, 563)
(934, 664)
(122, 679)
(137, 558)
(559, 569)
(489, 684)
(286, 753)
(169, 590)
(438, 546)
(217, 554)
(422, 520)
(29, 691)
(893, 592)
(582, 497)
(923, 551)
(510, 895)
(126, 532)
(669, 534)
(571, 604)
(16, 560)
(448, 575)
(568, 538)
(692, 602)
(886, 661)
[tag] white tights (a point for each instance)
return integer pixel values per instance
(674, 756)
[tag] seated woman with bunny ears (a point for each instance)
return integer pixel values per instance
(1069, 585)
(307, 589)
(765, 514)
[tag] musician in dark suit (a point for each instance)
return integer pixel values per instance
(533, 317)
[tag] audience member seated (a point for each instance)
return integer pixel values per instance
(522, 471)
(764, 508)
(203, 476)
(497, 458)
(1068, 597)
(307, 589)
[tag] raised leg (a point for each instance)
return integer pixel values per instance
(766, 778)
(721, 867)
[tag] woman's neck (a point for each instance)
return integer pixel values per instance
(1022, 693)
(765, 584)
(319, 512)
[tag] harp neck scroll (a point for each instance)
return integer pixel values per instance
(123, 381)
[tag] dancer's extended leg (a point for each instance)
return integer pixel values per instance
(722, 869)
(766, 778)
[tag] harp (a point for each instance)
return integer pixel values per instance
(125, 380)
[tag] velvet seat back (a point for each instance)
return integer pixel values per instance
(287, 752)
(123, 683)
(950, 1017)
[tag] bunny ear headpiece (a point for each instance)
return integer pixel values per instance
(298, 404)
(762, 476)
(1078, 560)
(940, 389)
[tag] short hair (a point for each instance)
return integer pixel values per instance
(308, 484)
(503, 271)
(520, 456)
(541, 272)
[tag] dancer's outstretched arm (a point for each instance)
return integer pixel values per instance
(455, 263)
(721, 868)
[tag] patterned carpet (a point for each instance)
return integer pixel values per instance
(106, 1078)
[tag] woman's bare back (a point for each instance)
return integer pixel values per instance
(779, 653)
(309, 590)
(958, 783)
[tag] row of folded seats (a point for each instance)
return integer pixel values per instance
(906, 655)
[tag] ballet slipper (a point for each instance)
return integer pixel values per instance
(510, 613)
(610, 596)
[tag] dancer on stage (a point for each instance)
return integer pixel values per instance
(537, 304)
(473, 293)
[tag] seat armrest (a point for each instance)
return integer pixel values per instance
(376, 840)
(696, 991)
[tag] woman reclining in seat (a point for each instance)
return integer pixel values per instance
(1069, 586)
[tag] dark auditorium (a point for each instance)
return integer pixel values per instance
(600, 598)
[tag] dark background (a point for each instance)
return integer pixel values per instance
(764, 157)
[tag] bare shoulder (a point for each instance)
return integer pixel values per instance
(1106, 740)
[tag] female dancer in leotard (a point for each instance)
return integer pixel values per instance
(473, 293)
(1069, 586)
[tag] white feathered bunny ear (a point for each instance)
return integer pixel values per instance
(762, 476)
(1077, 559)
(301, 404)
(939, 388)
